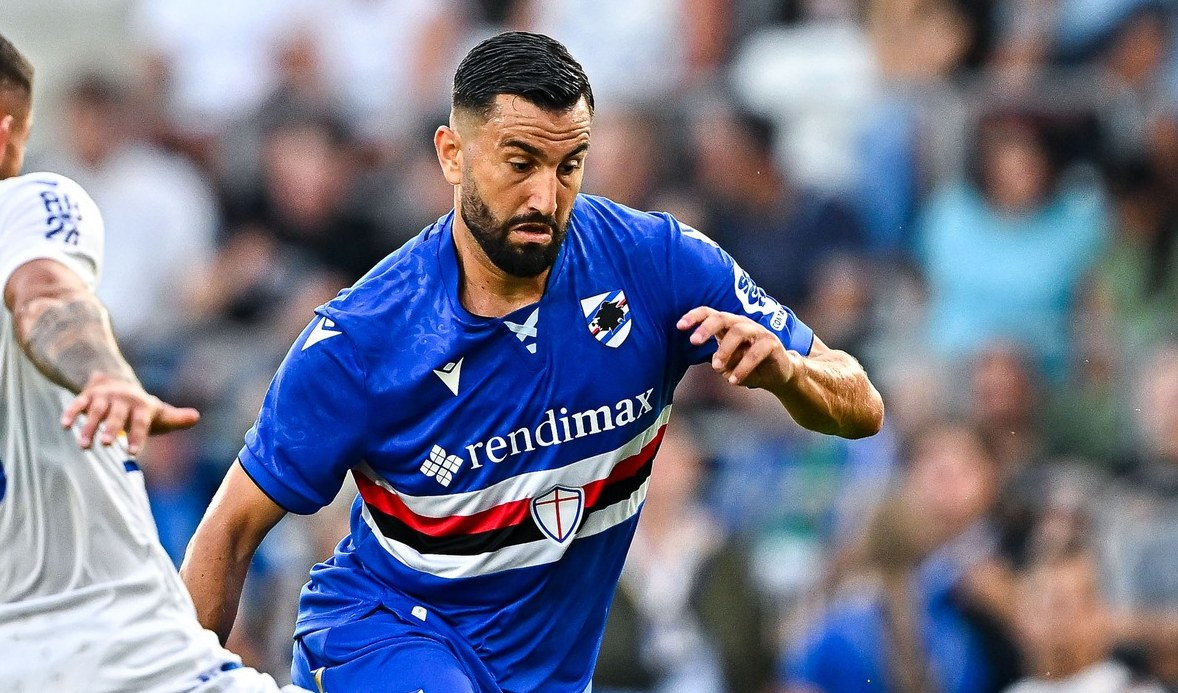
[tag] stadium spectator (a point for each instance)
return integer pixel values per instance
(777, 231)
(1005, 250)
(1006, 404)
(1139, 520)
(303, 199)
(298, 219)
(917, 39)
(686, 617)
(627, 157)
(383, 61)
(161, 216)
(637, 52)
(913, 617)
(1135, 283)
(209, 63)
(1067, 629)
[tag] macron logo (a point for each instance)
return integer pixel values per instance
(320, 332)
(449, 374)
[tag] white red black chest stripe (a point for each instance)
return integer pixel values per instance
(484, 531)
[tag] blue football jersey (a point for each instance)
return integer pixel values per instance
(501, 462)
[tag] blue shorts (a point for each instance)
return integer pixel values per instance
(381, 651)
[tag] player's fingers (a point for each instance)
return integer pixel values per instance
(74, 408)
(732, 341)
(99, 405)
(114, 421)
(172, 418)
(694, 317)
(753, 357)
(737, 355)
(137, 431)
(715, 325)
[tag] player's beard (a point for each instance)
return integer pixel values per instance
(524, 260)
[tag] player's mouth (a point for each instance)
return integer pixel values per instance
(533, 233)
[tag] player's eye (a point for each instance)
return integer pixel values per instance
(520, 166)
(570, 166)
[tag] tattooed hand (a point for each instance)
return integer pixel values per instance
(65, 332)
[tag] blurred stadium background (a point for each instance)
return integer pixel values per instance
(977, 197)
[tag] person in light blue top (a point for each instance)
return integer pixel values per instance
(1005, 254)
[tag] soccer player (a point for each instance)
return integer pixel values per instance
(498, 388)
(89, 601)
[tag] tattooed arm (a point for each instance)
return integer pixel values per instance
(64, 330)
(62, 326)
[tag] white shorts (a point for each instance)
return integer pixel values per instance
(97, 647)
(241, 680)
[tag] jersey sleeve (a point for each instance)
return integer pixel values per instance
(702, 274)
(47, 216)
(311, 427)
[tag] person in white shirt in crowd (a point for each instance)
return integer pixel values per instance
(160, 214)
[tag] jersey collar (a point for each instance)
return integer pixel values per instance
(448, 270)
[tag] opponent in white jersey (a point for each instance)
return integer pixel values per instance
(89, 601)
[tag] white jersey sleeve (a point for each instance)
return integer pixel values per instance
(49, 216)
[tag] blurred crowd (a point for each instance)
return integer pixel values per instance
(978, 198)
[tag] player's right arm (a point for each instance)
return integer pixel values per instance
(309, 433)
(218, 557)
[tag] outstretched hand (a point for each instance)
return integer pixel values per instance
(118, 405)
(747, 353)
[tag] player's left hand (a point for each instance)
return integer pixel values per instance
(747, 353)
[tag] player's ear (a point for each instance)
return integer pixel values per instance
(7, 122)
(448, 144)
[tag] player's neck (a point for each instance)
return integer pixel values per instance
(486, 290)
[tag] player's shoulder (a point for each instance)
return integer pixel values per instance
(602, 219)
(21, 189)
(656, 236)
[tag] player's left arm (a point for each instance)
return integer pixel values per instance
(826, 391)
(752, 340)
(51, 240)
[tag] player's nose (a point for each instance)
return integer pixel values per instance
(545, 187)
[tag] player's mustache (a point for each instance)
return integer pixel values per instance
(533, 218)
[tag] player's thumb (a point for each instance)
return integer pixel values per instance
(172, 418)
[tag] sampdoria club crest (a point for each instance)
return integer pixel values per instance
(558, 512)
(608, 317)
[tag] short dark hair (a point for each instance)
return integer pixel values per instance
(16, 72)
(537, 67)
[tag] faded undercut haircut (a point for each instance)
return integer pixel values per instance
(16, 72)
(534, 66)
